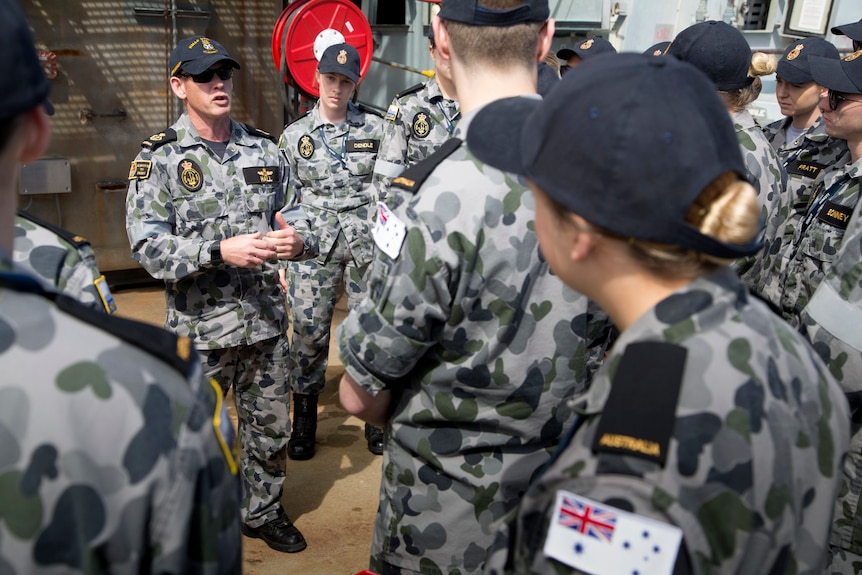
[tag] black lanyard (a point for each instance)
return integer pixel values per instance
(816, 203)
(340, 157)
(450, 126)
(797, 152)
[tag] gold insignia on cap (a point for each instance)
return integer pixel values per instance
(794, 54)
(305, 146)
(342, 57)
(265, 176)
(587, 44)
(421, 125)
(208, 47)
(191, 176)
(853, 56)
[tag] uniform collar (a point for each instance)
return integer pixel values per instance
(705, 303)
(187, 134)
(355, 117)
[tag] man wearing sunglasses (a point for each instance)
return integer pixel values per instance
(852, 31)
(830, 241)
(206, 213)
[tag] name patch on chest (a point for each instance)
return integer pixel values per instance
(835, 215)
(261, 174)
(805, 169)
(363, 145)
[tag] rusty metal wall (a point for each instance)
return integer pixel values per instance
(110, 89)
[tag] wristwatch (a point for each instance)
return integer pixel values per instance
(215, 253)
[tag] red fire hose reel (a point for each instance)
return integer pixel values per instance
(306, 28)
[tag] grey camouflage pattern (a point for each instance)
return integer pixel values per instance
(415, 126)
(753, 465)
(171, 227)
(338, 200)
(69, 266)
(766, 173)
(229, 312)
(843, 354)
(482, 348)
(798, 268)
(110, 461)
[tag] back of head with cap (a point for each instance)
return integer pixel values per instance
(629, 143)
(24, 85)
(718, 50)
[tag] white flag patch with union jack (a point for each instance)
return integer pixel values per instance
(389, 231)
(603, 540)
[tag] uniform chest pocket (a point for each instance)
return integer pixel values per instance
(312, 170)
(361, 155)
(825, 235)
(261, 190)
(195, 213)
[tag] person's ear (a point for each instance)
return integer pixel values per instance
(546, 37)
(36, 134)
(441, 38)
(583, 241)
(179, 87)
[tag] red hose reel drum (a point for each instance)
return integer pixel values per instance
(305, 29)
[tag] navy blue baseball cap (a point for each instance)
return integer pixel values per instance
(843, 75)
(473, 12)
(628, 143)
(197, 54)
(587, 49)
(340, 59)
(852, 30)
(23, 85)
(795, 67)
(719, 50)
(657, 49)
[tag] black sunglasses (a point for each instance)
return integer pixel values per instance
(225, 73)
(836, 98)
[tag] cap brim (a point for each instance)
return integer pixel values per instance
(495, 133)
(790, 73)
(203, 64)
(565, 53)
(853, 31)
(830, 74)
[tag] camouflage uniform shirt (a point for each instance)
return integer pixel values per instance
(482, 348)
(808, 256)
(63, 260)
(331, 168)
(753, 453)
(766, 173)
(115, 453)
(419, 119)
(832, 321)
(182, 200)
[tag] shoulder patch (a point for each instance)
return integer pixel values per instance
(73, 239)
(158, 140)
(369, 110)
(174, 350)
(640, 412)
(392, 112)
(410, 90)
(297, 119)
(413, 177)
(259, 133)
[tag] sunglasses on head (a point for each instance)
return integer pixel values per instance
(224, 73)
(835, 98)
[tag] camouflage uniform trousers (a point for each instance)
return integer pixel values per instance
(257, 374)
(313, 293)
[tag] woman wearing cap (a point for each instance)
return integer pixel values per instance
(804, 148)
(722, 53)
(711, 439)
(331, 151)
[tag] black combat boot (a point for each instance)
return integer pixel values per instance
(374, 435)
(301, 443)
(280, 534)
